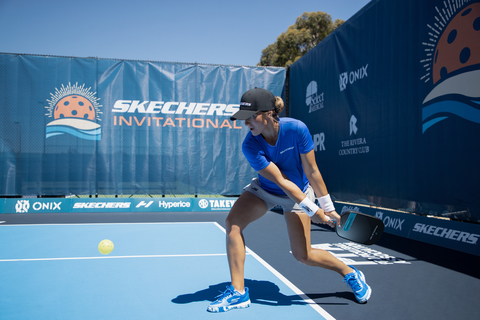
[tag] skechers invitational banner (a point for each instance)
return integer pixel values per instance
(88, 126)
(392, 99)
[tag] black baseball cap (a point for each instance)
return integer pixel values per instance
(254, 100)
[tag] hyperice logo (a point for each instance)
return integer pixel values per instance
(75, 111)
(452, 64)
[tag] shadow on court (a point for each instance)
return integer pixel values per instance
(346, 295)
(261, 292)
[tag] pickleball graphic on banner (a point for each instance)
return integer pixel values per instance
(75, 111)
(452, 63)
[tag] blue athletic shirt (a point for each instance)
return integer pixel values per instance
(293, 139)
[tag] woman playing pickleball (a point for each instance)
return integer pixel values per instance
(281, 151)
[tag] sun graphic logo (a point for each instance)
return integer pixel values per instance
(452, 64)
(75, 111)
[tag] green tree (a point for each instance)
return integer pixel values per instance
(309, 29)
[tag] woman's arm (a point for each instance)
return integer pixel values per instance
(313, 174)
(316, 181)
(273, 173)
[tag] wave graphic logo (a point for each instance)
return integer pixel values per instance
(75, 111)
(452, 63)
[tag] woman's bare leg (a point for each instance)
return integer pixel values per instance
(246, 209)
(298, 226)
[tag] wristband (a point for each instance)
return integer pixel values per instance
(326, 203)
(309, 207)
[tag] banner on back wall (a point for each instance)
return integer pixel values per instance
(454, 235)
(88, 126)
(392, 99)
(102, 205)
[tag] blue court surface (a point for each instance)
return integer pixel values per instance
(156, 271)
(171, 265)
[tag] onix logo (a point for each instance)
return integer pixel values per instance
(343, 81)
(353, 76)
(22, 206)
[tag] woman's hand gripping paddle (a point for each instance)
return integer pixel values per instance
(359, 227)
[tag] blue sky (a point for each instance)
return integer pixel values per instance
(208, 31)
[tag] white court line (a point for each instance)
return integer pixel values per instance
(96, 223)
(119, 257)
(109, 257)
(297, 291)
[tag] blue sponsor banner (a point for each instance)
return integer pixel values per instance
(37, 205)
(214, 204)
(174, 204)
(99, 205)
(449, 234)
(102, 205)
(99, 126)
(454, 235)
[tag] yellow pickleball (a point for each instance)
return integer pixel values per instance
(105, 246)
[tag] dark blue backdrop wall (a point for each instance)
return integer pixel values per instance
(392, 98)
(87, 126)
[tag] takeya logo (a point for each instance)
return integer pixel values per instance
(174, 114)
(216, 204)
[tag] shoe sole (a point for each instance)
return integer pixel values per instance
(242, 305)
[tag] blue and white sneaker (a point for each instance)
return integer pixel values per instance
(356, 282)
(230, 299)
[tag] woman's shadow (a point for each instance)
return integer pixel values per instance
(261, 292)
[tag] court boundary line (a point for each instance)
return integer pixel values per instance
(119, 257)
(97, 223)
(287, 282)
(110, 257)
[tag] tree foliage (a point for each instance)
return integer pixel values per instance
(309, 29)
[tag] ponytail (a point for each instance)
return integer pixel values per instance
(279, 106)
